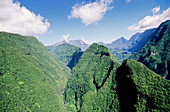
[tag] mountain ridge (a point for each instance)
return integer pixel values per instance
(155, 53)
(99, 83)
(67, 53)
(31, 78)
(78, 43)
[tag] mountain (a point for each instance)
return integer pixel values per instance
(101, 43)
(119, 41)
(123, 48)
(156, 52)
(135, 37)
(140, 89)
(118, 48)
(99, 83)
(92, 85)
(134, 44)
(75, 58)
(119, 44)
(121, 55)
(31, 78)
(66, 53)
(140, 41)
(78, 43)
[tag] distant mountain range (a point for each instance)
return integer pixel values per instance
(78, 43)
(134, 44)
(139, 40)
(121, 48)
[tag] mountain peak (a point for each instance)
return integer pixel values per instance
(78, 43)
(120, 40)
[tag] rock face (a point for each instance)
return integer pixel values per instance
(92, 84)
(31, 78)
(156, 52)
(140, 89)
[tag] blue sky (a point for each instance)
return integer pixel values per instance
(107, 26)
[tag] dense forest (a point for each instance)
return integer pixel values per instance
(99, 83)
(65, 79)
(66, 53)
(156, 52)
(91, 78)
(31, 78)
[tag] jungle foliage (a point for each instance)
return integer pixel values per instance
(66, 53)
(99, 84)
(31, 78)
(91, 86)
(156, 52)
(140, 89)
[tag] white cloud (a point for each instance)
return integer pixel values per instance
(17, 19)
(65, 37)
(91, 13)
(156, 9)
(128, 1)
(149, 22)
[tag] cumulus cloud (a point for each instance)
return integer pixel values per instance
(156, 9)
(91, 13)
(18, 19)
(153, 21)
(65, 37)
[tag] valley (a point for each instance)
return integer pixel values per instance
(126, 75)
(84, 55)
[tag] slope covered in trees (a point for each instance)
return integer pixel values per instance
(156, 53)
(31, 78)
(66, 53)
(99, 83)
(91, 86)
(140, 89)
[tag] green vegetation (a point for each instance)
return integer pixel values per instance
(121, 55)
(156, 53)
(92, 85)
(66, 53)
(140, 89)
(31, 78)
(98, 83)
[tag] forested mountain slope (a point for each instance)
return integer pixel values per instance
(156, 52)
(99, 83)
(140, 89)
(31, 78)
(66, 53)
(92, 85)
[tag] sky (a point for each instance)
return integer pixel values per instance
(52, 21)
